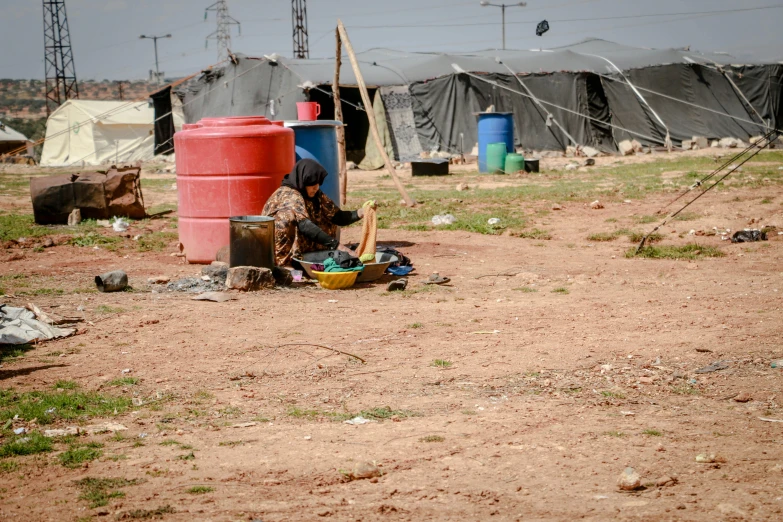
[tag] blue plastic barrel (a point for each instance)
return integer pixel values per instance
(317, 140)
(494, 127)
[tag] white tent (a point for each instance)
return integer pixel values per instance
(87, 132)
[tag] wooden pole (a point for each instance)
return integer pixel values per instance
(370, 114)
(338, 115)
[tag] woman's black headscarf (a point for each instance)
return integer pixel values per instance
(306, 173)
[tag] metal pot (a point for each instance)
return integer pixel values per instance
(252, 241)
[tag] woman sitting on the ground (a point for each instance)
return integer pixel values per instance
(306, 220)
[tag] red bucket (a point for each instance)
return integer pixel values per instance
(308, 111)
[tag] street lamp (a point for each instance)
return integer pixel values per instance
(503, 10)
(155, 41)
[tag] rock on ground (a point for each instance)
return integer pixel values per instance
(629, 480)
(249, 278)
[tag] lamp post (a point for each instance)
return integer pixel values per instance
(155, 41)
(503, 11)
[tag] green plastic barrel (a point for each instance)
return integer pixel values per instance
(496, 158)
(514, 162)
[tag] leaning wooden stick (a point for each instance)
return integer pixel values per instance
(370, 114)
(338, 115)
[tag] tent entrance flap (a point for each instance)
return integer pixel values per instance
(357, 127)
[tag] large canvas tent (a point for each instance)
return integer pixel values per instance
(88, 132)
(599, 91)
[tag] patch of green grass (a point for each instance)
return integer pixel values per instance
(163, 207)
(199, 490)
(92, 239)
(687, 216)
(230, 411)
(636, 237)
(603, 236)
(16, 226)
(384, 413)
(526, 289)
(139, 514)
(231, 443)
(432, 438)
(648, 219)
(26, 444)
(8, 466)
(170, 442)
(48, 406)
(441, 363)
(106, 309)
(188, 456)
(373, 413)
(611, 220)
(8, 352)
(156, 242)
(614, 434)
(613, 394)
(689, 251)
(98, 491)
(42, 291)
(124, 381)
(685, 390)
(469, 412)
(65, 385)
(652, 433)
(203, 395)
(536, 233)
(415, 326)
(78, 454)
(766, 201)
(560, 290)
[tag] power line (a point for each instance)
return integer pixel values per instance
(566, 20)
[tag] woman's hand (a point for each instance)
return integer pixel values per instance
(344, 248)
(367, 204)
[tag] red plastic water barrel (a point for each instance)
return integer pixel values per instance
(226, 167)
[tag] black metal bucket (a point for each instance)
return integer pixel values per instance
(252, 241)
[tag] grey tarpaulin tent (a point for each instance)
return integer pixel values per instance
(430, 106)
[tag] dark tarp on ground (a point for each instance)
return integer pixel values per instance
(691, 83)
(164, 122)
(97, 195)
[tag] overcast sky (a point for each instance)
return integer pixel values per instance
(104, 33)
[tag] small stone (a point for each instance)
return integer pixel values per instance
(557, 206)
(687, 144)
(217, 273)
(625, 147)
(590, 152)
(743, 397)
(572, 166)
(700, 142)
(224, 254)
(646, 380)
(282, 276)
(461, 187)
(350, 165)
(665, 481)
(596, 205)
(704, 458)
(637, 147)
(363, 470)
(48, 242)
(629, 480)
(75, 217)
(589, 162)
(158, 280)
(249, 278)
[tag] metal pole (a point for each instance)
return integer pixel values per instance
(503, 10)
(157, 69)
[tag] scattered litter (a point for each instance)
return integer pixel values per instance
(770, 420)
(296, 275)
(485, 332)
(243, 425)
(704, 458)
(332, 301)
(137, 401)
(748, 236)
(20, 326)
(195, 285)
(400, 270)
(443, 219)
(215, 297)
(493, 221)
(308, 437)
(358, 420)
(119, 224)
(115, 281)
(50, 411)
(777, 364)
(19, 431)
(600, 497)
(142, 435)
(126, 370)
(714, 367)
(596, 205)
(627, 413)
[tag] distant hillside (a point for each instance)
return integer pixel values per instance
(26, 98)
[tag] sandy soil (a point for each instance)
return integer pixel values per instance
(548, 397)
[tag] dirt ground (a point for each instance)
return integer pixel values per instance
(521, 391)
